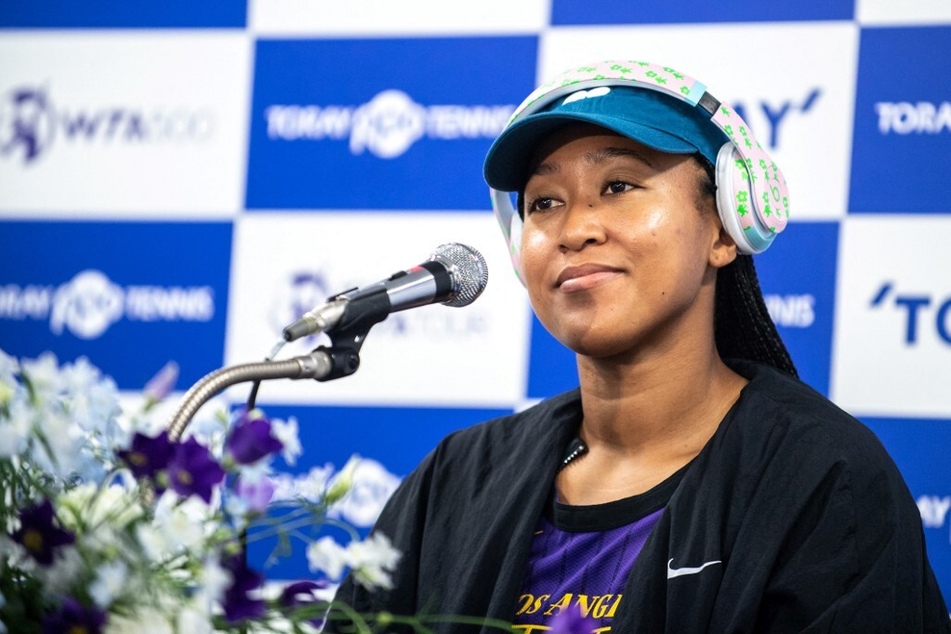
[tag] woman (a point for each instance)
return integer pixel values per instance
(691, 483)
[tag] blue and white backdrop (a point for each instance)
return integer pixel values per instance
(179, 180)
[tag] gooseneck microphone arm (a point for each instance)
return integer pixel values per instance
(342, 358)
(325, 363)
(316, 365)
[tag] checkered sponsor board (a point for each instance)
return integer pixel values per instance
(179, 180)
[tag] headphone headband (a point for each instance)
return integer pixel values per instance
(752, 196)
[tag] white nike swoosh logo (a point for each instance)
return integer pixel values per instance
(680, 572)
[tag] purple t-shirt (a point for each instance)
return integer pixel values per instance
(581, 558)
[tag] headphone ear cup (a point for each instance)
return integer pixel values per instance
(736, 202)
(511, 224)
(515, 247)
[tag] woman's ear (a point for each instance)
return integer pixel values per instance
(723, 250)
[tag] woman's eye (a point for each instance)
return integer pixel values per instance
(541, 204)
(618, 187)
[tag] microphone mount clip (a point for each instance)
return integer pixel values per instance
(351, 331)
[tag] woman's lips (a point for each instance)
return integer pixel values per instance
(585, 276)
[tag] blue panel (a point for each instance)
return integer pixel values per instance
(129, 296)
(798, 276)
(397, 438)
(920, 449)
(614, 12)
(381, 124)
(54, 14)
(901, 155)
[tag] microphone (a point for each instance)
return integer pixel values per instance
(454, 275)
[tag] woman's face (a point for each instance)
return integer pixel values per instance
(618, 254)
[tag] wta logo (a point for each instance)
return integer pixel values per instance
(30, 124)
(386, 126)
(89, 304)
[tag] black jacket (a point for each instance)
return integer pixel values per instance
(813, 524)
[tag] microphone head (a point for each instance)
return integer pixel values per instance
(467, 271)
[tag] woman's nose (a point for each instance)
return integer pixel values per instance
(581, 226)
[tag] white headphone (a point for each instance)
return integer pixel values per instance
(752, 197)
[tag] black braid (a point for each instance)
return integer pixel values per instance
(743, 328)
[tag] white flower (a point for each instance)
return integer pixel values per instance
(192, 621)
(59, 454)
(312, 486)
(341, 483)
(213, 581)
(287, 434)
(145, 620)
(327, 555)
(15, 431)
(181, 524)
(371, 488)
(9, 368)
(110, 582)
(373, 560)
(96, 409)
(309, 487)
(112, 504)
(43, 374)
(93, 400)
(10, 551)
(151, 541)
(78, 376)
(284, 487)
(66, 568)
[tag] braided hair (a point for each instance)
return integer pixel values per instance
(742, 327)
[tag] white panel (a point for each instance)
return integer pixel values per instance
(892, 337)
(892, 13)
(434, 355)
(131, 123)
(385, 17)
(773, 70)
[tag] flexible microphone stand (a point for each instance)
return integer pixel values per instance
(316, 365)
(325, 363)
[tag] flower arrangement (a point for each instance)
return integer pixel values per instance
(109, 525)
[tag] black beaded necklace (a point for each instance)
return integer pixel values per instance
(576, 449)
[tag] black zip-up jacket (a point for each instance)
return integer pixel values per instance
(813, 526)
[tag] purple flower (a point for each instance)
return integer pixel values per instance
(238, 604)
(301, 594)
(147, 456)
(570, 621)
(256, 492)
(193, 471)
(160, 385)
(251, 439)
(39, 535)
(72, 616)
